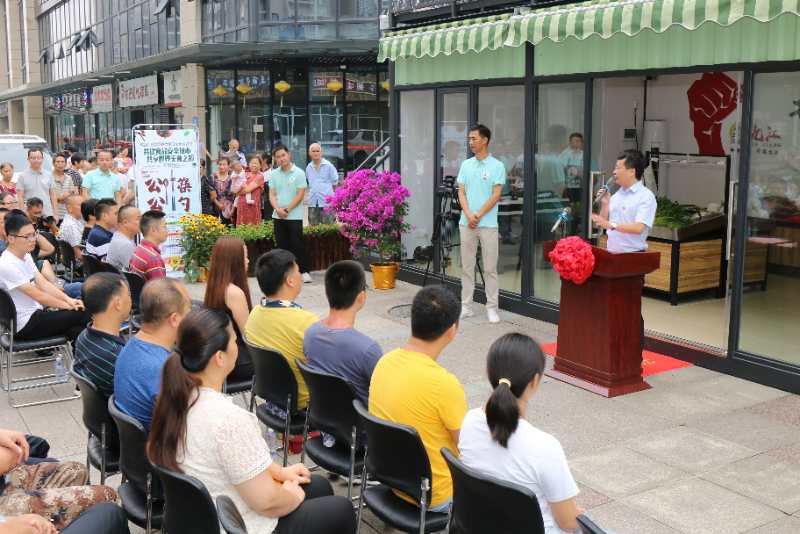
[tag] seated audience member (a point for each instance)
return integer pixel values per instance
(497, 440)
(164, 302)
(56, 491)
(32, 292)
(146, 260)
(333, 345)
(227, 291)
(3, 244)
(409, 387)
(102, 518)
(89, 220)
(72, 225)
(122, 246)
(107, 299)
(8, 201)
(199, 431)
(99, 240)
(279, 323)
(35, 211)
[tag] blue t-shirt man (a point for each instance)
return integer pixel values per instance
(137, 379)
(479, 178)
(286, 184)
(101, 184)
(343, 352)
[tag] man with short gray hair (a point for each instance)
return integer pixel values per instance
(321, 176)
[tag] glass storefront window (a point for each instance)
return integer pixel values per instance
(327, 114)
(253, 92)
(560, 114)
(502, 110)
(367, 120)
(222, 109)
(769, 311)
(453, 132)
(416, 166)
(290, 113)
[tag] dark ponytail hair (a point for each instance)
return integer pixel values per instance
(516, 358)
(201, 334)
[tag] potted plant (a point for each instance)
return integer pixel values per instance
(200, 232)
(371, 208)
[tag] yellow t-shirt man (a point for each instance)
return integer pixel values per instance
(410, 388)
(281, 325)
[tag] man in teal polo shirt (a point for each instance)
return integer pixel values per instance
(103, 182)
(480, 183)
(287, 187)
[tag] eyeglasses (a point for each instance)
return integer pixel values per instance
(29, 237)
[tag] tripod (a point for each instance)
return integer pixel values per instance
(445, 228)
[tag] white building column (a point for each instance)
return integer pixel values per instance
(193, 95)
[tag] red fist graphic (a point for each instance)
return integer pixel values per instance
(711, 98)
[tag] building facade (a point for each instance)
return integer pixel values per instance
(290, 71)
(708, 88)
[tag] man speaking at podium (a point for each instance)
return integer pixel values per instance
(627, 216)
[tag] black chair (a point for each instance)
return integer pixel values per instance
(67, 254)
(330, 410)
(188, 505)
(36, 351)
(136, 285)
(588, 526)
(275, 382)
(141, 495)
(482, 503)
(229, 516)
(93, 264)
(243, 384)
(397, 459)
(102, 448)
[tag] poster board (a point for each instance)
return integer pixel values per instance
(167, 174)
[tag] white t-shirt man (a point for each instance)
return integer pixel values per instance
(534, 459)
(15, 272)
(224, 448)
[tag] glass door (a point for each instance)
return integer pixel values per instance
(561, 176)
(770, 288)
(452, 123)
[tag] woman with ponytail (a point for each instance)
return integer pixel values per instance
(498, 441)
(199, 431)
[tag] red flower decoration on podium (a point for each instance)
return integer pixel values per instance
(572, 258)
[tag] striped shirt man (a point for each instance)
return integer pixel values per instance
(147, 261)
(96, 357)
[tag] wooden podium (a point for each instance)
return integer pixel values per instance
(599, 327)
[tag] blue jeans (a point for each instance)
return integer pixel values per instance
(73, 290)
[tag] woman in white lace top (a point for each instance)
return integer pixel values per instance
(199, 431)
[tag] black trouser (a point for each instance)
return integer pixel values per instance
(289, 236)
(321, 512)
(103, 518)
(42, 324)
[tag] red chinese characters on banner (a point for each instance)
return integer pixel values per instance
(157, 186)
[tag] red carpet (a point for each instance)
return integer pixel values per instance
(652, 362)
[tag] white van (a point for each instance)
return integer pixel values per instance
(14, 149)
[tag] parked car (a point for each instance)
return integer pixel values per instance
(14, 149)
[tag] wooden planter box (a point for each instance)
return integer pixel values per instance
(321, 250)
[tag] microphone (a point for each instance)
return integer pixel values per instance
(603, 190)
(562, 218)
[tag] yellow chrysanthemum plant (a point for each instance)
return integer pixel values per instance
(200, 232)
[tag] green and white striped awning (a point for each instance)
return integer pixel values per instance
(581, 20)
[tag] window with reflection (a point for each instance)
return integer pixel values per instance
(222, 109)
(253, 89)
(367, 119)
(326, 113)
(290, 112)
(502, 110)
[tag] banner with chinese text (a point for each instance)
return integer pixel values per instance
(167, 179)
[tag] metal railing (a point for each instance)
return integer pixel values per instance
(380, 156)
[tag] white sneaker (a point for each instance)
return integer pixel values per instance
(307, 278)
(466, 312)
(492, 315)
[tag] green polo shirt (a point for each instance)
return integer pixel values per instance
(101, 184)
(479, 178)
(286, 184)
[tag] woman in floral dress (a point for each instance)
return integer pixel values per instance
(248, 194)
(222, 185)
